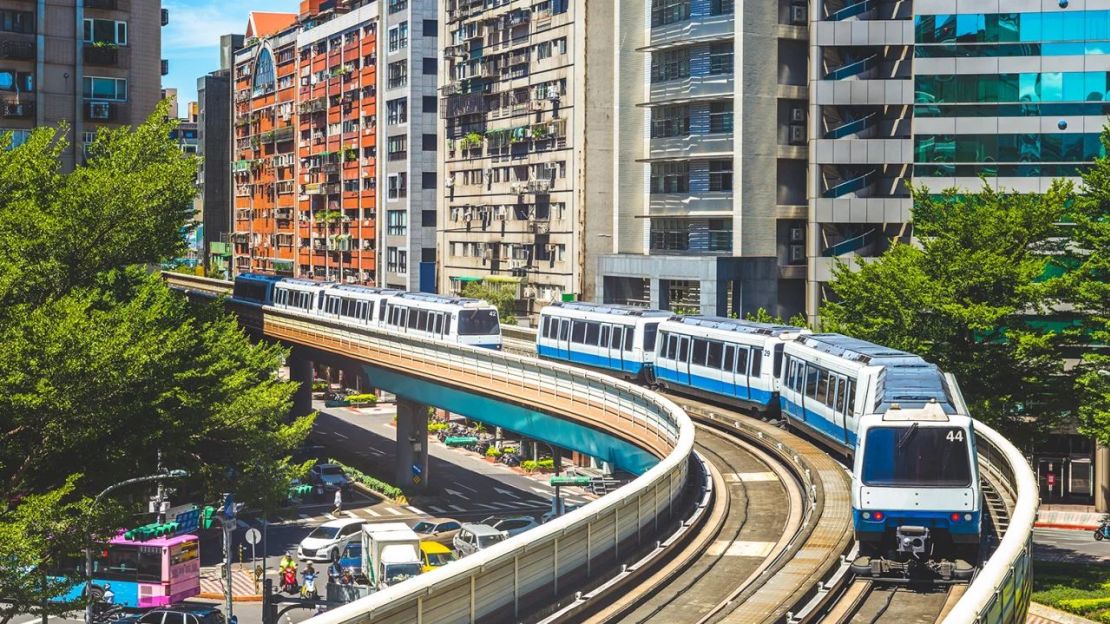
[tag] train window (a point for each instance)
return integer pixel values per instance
(822, 386)
(698, 356)
(741, 360)
(482, 322)
(545, 330)
(629, 332)
(383, 310)
(368, 311)
(422, 321)
(811, 382)
(842, 395)
(715, 355)
(578, 332)
(912, 455)
(650, 329)
(851, 397)
(320, 299)
(564, 329)
(728, 363)
(778, 360)
(592, 330)
(414, 318)
(683, 349)
(757, 361)
(605, 329)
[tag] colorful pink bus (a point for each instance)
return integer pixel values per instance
(154, 573)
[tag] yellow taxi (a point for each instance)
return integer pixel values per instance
(434, 555)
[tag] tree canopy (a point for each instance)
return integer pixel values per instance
(102, 366)
(964, 296)
(500, 296)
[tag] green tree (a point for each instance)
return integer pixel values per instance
(963, 299)
(501, 296)
(763, 316)
(102, 366)
(1088, 289)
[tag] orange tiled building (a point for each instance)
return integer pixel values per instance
(304, 157)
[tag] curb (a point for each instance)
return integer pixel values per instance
(1051, 614)
(1070, 527)
(221, 597)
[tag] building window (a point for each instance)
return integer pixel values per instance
(431, 28)
(670, 121)
(105, 31)
(398, 74)
(20, 82)
(428, 180)
(397, 111)
(543, 50)
(665, 12)
(431, 66)
(671, 177)
(720, 234)
(669, 235)
(398, 5)
(19, 137)
(720, 58)
(398, 186)
(428, 217)
(670, 65)
(429, 104)
(263, 73)
(399, 37)
(17, 21)
(397, 222)
(98, 88)
(721, 7)
(428, 143)
(397, 147)
(720, 117)
(720, 175)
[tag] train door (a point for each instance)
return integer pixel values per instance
(562, 341)
(742, 362)
(839, 394)
(603, 350)
(682, 360)
(728, 369)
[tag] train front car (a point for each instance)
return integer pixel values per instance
(442, 317)
(254, 288)
(617, 339)
(916, 499)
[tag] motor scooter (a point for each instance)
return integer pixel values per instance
(1103, 531)
(308, 586)
(289, 581)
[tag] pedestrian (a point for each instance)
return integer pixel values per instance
(338, 501)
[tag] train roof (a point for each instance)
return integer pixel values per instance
(907, 379)
(739, 326)
(609, 308)
(296, 281)
(367, 290)
(441, 299)
(261, 277)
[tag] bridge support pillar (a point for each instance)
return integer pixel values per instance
(412, 444)
(301, 371)
(1102, 478)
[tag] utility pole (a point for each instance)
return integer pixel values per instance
(161, 493)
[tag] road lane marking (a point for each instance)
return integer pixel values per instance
(416, 511)
(456, 508)
(542, 491)
(436, 509)
(350, 514)
(394, 511)
(483, 505)
(372, 512)
(467, 488)
(330, 517)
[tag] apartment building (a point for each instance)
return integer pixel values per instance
(213, 119)
(307, 170)
(91, 66)
(710, 170)
(525, 145)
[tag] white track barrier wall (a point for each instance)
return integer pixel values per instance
(1000, 592)
(525, 571)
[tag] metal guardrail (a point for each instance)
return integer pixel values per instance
(1000, 592)
(497, 583)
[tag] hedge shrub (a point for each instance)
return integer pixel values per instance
(493, 451)
(437, 427)
(365, 398)
(530, 465)
(372, 483)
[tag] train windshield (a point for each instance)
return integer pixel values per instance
(916, 456)
(478, 323)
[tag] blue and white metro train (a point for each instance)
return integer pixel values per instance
(451, 319)
(915, 482)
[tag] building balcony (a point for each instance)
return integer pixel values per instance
(105, 111)
(17, 49)
(718, 203)
(102, 55)
(700, 29)
(10, 108)
(692, 88)
(691, 146)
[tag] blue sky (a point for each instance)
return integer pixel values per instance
(191, 42)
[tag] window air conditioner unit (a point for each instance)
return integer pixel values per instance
(797, 234)
(797, 115)
(798, 15)
(100, 110)
(797, 135)
(797, 253)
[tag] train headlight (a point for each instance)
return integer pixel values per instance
(867, 515)
(967, 517)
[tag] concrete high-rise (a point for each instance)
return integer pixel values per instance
(89, 66)
(710, 166)
(525, 187)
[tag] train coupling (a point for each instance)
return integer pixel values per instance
(913, 540)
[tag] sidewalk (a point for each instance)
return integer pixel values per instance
(1042, 614)
(242, 585)
(1077, 517)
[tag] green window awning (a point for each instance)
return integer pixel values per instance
(465, 278)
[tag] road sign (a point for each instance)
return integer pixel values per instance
(229, 507)
(416, 469)
(253, 536)
(416, 479)
(581, 481)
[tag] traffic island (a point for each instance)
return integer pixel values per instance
(243, 586)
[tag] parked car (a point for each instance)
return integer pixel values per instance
(328, 477)
(550, 515)
(435, 555)
(183, 613)
(327, 541)
(512, 525)
(474, 537)
(440, 530)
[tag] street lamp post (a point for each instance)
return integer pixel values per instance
(172, 474)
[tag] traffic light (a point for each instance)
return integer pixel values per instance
(565, 481)
(206, 517)
(142, 534)
(460, 440)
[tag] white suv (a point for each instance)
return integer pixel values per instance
(474, 537)
(328, 540)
